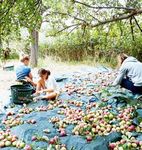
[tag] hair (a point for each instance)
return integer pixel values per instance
(123, 56)
(24, 58)
(43, 72)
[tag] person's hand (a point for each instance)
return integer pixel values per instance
(40, 92)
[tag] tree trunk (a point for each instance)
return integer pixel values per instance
(34, 48)
(132, 30)
(0, 43)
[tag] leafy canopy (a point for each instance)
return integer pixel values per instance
(15, 14)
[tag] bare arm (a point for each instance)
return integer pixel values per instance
(30, 79)
(38, 87)
(120, 76)
(30, 76)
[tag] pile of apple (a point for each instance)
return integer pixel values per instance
(100, 122)
(42, 108)
(57, 147)
(73, 115)
(56, 103)
(93, 124)
(9, 140)
(26, 110)
(76, 103)
(101, 80)
(125, 118)
(50, 106)
(31, 121)
(12, 121)
(54, 120)
(55, 142)
(130, 143)
(91, 105)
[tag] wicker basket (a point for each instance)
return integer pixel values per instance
(21, 94)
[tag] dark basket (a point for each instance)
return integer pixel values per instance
(21, 94)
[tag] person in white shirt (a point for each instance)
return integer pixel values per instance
(130, 74)
(47, 85)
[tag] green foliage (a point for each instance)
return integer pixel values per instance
(17, 14)
(76, 38)
(76, 28)
(102, 43)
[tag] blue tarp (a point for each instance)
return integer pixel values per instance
(116, 97)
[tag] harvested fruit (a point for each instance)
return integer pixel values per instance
(126, 144)
(12, 121)
(27, 147)
(31, 121)
(54, 140)
(62, 132)
(34, 138)
(7, 143)
(42, 108)
(88, 118)
(2, 144)
(54, 119)
(76, 103)
(89, 138)
(9, 140)
(10, 113)
(26, 110)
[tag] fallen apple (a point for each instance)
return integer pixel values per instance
(112, 146)
(131, 128)
(89, 138)
(2, 144)
(27, 147)
(7, 143)
(34, 138)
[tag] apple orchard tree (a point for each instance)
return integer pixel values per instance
(65, 16)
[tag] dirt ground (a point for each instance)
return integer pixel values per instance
(7, 78)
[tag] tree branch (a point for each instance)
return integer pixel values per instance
(113, 19)
(66, 14)
(104, 7)
(67, 27)
(137, 23)
(93, 17)
(72, 30)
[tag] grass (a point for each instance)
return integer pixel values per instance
(88, 61)
(55, 62)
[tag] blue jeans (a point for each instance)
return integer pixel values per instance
(127, 84)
